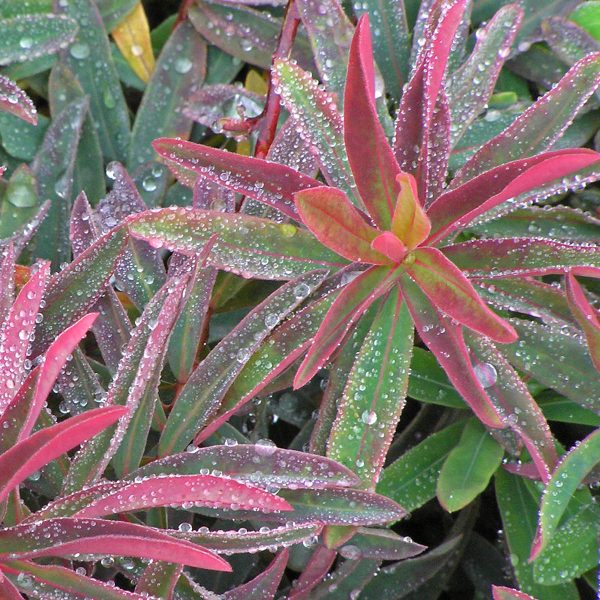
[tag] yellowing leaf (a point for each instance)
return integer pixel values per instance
(256, 83)
(132, 36)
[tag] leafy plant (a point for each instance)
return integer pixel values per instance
(333, 318)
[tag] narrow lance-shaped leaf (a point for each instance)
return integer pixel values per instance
(373, 163)
(471, 86)
(263, 586)
(180, 68)
(449, 290)
(381, 544)
(74, 290)
(352, 302)
(374, 396)
(258, 464)
(7, 280)
(159, 579)
(137, 375)
(586, 316)
(15, 101)
(65, 537)
(337, 224)
(541, 124)
(26, 37)
(446, 341)
(47, 444)
(89, 57)
(203, 392)
(469, 467)
(569, 474)
(245, 245)
(315, 571)
(318, 123)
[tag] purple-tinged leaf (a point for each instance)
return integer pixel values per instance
(78, 385)
(568, 41)
(381, 544)
(521, 257)
(450, 291)
(349, 576)
(7, 280)
(504, 593)
(375, 392)
(290, 150)
(29, 36)
(47, 580)
(53, 170)
(8, 590)
(569, 474)
(42, 447)
(424, 109)
(586, 316)
(91, 61)
(65, 537)
(315, 571)
(202, 395)
(455, 209)
(245, 245)
(318, 123)
(74, 290)
(557, 356)
(514, 402)
(159, 579)
(167, 490)
(337, 224)
(371, 158)
(140, 272)
(541, 124)
(446, 341)
(262, 465)
(351, 303)
(134, 386)
(180, 68)
(330, 33)
(112, 328)
(470, 87)
(263, 586)
(16, 332)
(265, 181)
(15, 101)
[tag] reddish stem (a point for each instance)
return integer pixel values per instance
(183, 10)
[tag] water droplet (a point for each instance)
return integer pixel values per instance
(79, 51)
(486, 374)
(183, 65)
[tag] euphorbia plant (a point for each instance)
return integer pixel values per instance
(396, 221)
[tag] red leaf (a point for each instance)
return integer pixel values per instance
(42, 447)
(450, 291)
(389, 245)
(315, 571)
(352, 302)
(504, 593)
(337, 224)
(7, 279)
(586, 316)
(371, 159)
(65, 537)
(15, 101)
(268, 182)
(410, 223)
(7, 590)
(202, 490)
(445, 340)
(263, 586)
(455, 209)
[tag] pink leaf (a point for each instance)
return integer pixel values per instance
(353, 301)
(202, 490)
(504, 593)
(7, 280)
(337, 224)
(371, 158)
(389, 245)
(445, 340)
(15, 101)
(315, 571)
(45, 445)
(263, 586)
(586, 316)
(267, 182)
(65, 537)
(16, 332)
(450, 291)
(456, 208)
(7, 590)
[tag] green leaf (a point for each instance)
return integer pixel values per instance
(566, 411)
(375, 392)
(249, 246)
(90, 59)
(180, 68)
(469, 467)
(114, 11)
(411, 479)
(30, 36)
(21, 139)
(19, 203)
(587, 15)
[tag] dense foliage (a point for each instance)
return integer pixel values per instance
(299, 299)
